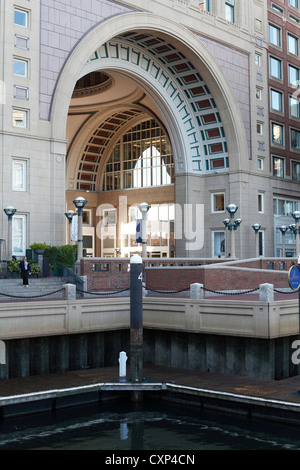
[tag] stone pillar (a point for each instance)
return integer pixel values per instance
(266, 293)
(69, 292)
(196, 291)
(189, 216)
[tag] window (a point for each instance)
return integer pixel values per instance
(276, 8)
(259, 128)
(218, 204)
(204, 5)
(21, 18)
(20, 118)
(260, 203)
(261, 243)
(258, 93)
(285, 206)
(278, 167)
(260, 163)
(142, 158)
(276, 100)
(277, 134)
(218, 243)
(98, 267)
(293, 73)
(295, 171)
(257, 59)
(295, 139)
(293, 3)
(109, 217)
(229, 11)
(21, 92)
(21, 41)
(274, 35)
(275, 68)
(294, 107)
(19, 175)
(20, 67)
(19, 235)
(292, 44)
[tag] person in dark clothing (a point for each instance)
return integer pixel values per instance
(25, 271)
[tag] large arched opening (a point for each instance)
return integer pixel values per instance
(151, 80)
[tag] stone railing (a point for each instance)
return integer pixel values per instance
(264, 318)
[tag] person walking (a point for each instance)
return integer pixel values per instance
(25, 271)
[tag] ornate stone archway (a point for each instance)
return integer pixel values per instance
(184, 81)
(130, 56)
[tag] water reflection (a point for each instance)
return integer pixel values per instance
(150, 427)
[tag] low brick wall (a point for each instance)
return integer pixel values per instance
(106, 274)
(221, 278)
(113, 274)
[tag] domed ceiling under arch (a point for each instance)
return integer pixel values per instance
(101, 109)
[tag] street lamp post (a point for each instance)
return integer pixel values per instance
(144, 207)
(9, 211)
(232, 226)
(256, 228)
(295, 229)
(80, 203)
(283, 229)
(70, 214)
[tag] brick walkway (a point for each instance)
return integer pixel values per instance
(281, 397)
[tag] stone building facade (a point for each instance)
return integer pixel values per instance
(129, 101)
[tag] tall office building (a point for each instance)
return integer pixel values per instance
(186, 105)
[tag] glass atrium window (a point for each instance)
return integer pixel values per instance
(143, 158)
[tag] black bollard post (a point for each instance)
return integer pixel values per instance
(136, 321)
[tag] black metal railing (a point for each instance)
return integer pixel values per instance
(70, 277)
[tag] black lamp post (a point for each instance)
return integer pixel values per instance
(80, 203)
(232, 226)
(9, 211)
(70, 214)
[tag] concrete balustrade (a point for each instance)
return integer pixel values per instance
(241, 337)
(258, 319)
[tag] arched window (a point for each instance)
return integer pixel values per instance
(142, 158)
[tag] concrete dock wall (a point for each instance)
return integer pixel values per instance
(231, 337)
(253, 357)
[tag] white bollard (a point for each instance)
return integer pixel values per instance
(122, 364)
(2, 353)
(266, 292)
(196, 291)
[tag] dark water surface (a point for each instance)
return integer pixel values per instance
(148, 426)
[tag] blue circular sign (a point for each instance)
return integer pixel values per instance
(294, 277)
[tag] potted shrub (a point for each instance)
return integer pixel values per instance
(39, 248)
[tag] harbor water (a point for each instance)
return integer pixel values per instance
(159, 426)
